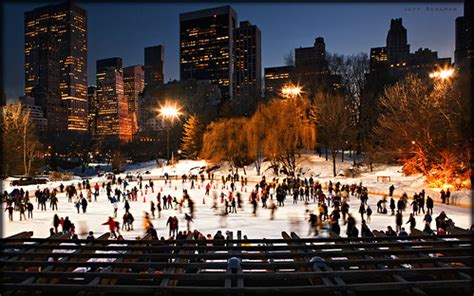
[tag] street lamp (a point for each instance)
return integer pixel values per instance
(291, 90)
(169, 112)
(442, 74)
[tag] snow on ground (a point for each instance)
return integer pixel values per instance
(288, 218)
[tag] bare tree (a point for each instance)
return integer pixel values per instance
(353, 70)
(289, 59)
(423, 128)
(19, 136)
(333, 122)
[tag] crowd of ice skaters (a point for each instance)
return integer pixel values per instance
(332, 200)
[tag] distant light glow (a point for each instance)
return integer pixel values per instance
(170, 111)
(442, 74)
(291, 90)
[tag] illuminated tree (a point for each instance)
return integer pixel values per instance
(423, 126)
(21, 145)
(191, 141)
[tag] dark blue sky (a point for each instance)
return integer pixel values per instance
(125, 29)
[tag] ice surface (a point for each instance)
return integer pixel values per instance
(288, 218)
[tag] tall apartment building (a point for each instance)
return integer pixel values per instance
(134, 83)
(398, 49)
(311, 61)
(206, 46)
(113, 120)
(247, 66)
(92, 102)
(153, 67)
(395, 58)
(464, 51)
(56, 64)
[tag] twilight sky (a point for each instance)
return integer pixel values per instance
(124, 29)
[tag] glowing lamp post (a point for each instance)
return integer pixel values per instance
(442, 74)
(291, 91)
(169, 113)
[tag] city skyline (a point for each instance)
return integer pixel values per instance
(440, 24)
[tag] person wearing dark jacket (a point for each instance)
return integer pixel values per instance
(30, 207)
(412, 222)
(56, 222)
(392, 205)
(429, 205)
(84, 205)
(398, 220)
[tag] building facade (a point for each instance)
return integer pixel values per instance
(56, 64)
(464, 51)
(398, 49)
(134, 83)
(92, 102)
(37, 117)
(247, 67)
(113, 120)
(378, 58)
(206, 46)
(153, 68)
(276, 78)
(311, 61)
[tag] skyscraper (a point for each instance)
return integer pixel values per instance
(154, 57)
(464, 52)
(398, 49)
(310, 61)
(113, 121)
(56, 64)
(134, 82)
(247, 66)
(92, 102)
(206, 46)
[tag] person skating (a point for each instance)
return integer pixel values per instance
(392, 205)
(391, 189)
(21, 209)
(30, 208)
(112, 226)
(351, 230)
(313, 224)
(188, 219)
(414, 204)
(78, 206)
(443, 196)
(84, 205)
(272, 208)
(429, 205)
(67, 224)
(362, 211)
(427, 219)
(398, 221)
(152, 209)
(412, 222)
(127, 206)
(9, 208)
(369, 213)
(56, 222)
